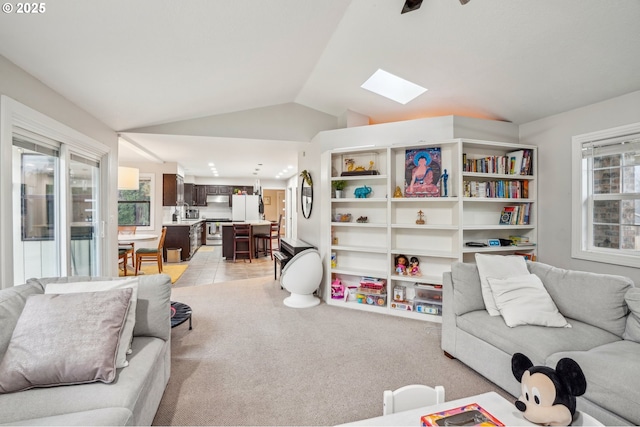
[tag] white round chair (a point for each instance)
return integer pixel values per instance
(302, 276)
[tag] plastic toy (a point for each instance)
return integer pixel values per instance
(401, 265)
(362, 192)
(337, 289)
(414, 269)
(548, 395)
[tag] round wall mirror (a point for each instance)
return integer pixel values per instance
(306, 194)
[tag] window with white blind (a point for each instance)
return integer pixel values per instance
(606, 196)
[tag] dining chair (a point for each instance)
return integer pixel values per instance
(129, 247)
(151, 254)
(268, 238)
(242, 236)
(411, 397)
(123, 256)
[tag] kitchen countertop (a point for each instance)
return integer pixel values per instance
(257, 222)
(182, 222)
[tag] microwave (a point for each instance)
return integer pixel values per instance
(192, 213)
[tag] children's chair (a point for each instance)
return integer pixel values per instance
(411, 397)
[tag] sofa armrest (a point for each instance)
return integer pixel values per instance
(448, 339)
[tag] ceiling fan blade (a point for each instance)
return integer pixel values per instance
(463, 2)
(411, 5)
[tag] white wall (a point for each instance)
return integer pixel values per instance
(553, 137)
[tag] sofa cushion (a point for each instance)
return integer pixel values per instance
(132, 384)
(467, 290)
(613, 374)
(96, 417)
(124, 343)
(537, 342)
(498, 267)
(12, 301)
(65, 339)
(154, 290)
(592, 298)
(632, 329)
(523, 300)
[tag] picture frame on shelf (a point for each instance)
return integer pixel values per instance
(423, 168)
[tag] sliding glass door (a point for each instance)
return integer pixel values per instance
(36, 209)
(56, 213)
(84, 179)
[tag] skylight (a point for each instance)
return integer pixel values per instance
(393, 87)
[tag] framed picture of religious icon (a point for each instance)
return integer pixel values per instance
(422, 172)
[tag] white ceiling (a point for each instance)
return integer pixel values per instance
(140, 63)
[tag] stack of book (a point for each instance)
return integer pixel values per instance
(515, 215)
(507, 189)
(517, 162)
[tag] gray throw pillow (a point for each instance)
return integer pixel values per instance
(65, 339)
(632, 329)
(96, 286)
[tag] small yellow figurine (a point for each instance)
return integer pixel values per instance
(398, 192)
(420, 219)
(371, 163)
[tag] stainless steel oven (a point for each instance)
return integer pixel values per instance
(214, 231)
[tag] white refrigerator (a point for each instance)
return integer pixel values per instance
(245, 208)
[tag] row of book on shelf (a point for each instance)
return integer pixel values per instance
(509, 189)
(517, 162)
(515, 214)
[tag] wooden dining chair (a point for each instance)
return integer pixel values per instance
(151, 254)
(129, 247)
(123, 256)
(268, 238)
(242, 236)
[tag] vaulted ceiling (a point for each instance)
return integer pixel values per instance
(138, 64)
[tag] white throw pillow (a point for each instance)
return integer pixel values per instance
(497, 267)
(98, 286)
(523, 300)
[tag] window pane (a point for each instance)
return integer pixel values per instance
(630, 213)
(606, 236)
(630, 237)
(606, 161)
(631, 179)
(606, 211)
(134, 206)
(606, 181)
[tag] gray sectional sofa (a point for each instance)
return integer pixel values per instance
(604, 338)
(131, 399)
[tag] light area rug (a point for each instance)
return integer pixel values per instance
(175, 271)
(250, 360)
(206, 249)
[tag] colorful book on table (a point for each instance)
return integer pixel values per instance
(471, 414)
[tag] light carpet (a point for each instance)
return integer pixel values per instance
(206, 249)
(250, 360)
(175, 271)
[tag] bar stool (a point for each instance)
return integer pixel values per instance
(274, 234)
(241, 235)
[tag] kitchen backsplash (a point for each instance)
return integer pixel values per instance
(212, 210)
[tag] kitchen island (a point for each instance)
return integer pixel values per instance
(259, 226)
(185, 234)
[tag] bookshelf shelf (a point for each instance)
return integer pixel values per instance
(370, 249)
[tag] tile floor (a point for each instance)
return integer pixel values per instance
(207, 266)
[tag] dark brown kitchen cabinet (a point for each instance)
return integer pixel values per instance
(218, 189)
(200, 195)
(172, 189)
(188, 194)
(187, 237)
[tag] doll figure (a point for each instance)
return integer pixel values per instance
(401, 265)
(415, 267)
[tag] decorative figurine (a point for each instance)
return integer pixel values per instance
(362, 219)
(415, 267)
(401, 265)
(362, 192)
(398, 192)
(444, 189)
(420, 219)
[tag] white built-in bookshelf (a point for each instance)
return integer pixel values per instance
(369, 249)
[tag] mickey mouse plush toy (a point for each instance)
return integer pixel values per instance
(548, 395)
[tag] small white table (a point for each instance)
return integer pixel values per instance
(495, 404)
(492, 402)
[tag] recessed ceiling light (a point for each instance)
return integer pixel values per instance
(211, 164)
(289, 167)
(393, 87)
(277, 176)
